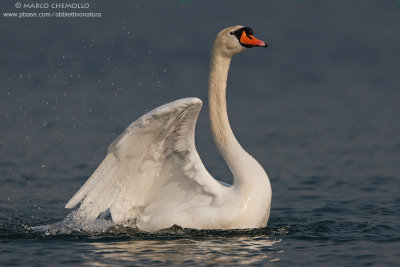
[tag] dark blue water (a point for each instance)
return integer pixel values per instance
(319, 109)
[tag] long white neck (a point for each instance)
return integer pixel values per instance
(238, 160)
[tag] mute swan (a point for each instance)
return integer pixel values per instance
(154, 177)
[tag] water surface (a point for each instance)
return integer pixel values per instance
(318, 109)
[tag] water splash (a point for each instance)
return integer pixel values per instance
(74, 223)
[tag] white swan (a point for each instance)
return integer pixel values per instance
(154, 176)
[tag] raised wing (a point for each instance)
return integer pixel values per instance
(152, 167)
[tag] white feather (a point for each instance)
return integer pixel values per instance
(153, 175)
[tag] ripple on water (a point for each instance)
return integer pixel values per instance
(125, 244)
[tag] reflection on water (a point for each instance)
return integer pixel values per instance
(319, 109)
(238, 250)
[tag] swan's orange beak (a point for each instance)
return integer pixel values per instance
(251, 41)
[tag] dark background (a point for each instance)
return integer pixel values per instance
(319, 108)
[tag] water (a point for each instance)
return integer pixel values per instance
(318, 109)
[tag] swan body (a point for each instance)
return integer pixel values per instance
(153, 175)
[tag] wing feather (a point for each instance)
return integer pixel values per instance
(152, 166)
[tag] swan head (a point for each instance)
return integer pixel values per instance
(236, 39)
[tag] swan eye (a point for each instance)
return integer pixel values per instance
(231, 33)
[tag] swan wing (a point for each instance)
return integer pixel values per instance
(153, 166)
